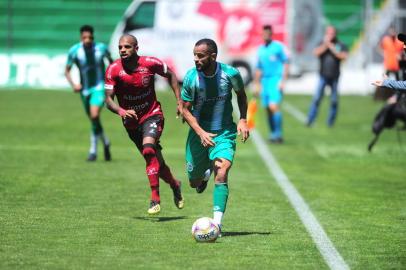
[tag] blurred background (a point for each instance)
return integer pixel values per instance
(36, 34)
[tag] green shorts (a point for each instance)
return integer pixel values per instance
(200, 158)
(93, 97)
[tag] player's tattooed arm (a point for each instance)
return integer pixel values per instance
(174, 84)
(206, 138)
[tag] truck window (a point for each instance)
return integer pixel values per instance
(143, 17)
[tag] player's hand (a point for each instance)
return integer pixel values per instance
(127, 114)
(77, 88)
(131, 114)
(281, 86)
(206, 138)
(243, 130)
(257, 90)
(179, 109)
(377, 83)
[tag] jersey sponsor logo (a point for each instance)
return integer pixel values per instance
(138, 97)
(272, 58)
(212, 99)
(139, 107)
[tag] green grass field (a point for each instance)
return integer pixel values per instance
(59, 212)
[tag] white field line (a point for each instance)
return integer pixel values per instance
(313, 227)
(319, 236)
(292, 110)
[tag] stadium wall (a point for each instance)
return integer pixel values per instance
(37, 34)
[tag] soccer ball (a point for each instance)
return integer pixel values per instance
(205, 230)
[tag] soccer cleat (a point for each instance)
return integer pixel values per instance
(276, 141)
(154, 208)
(219, 226)
(203, 185)
(177, 197)
(107, 154)
(92, 157)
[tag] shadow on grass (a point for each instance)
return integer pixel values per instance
(231, 234)
(160, 219)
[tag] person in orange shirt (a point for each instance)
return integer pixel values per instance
(391, 50)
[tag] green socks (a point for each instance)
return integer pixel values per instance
(96, 127)
(220, 196)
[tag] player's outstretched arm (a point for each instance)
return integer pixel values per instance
(396, 85)
(205, 137)
(242, 127)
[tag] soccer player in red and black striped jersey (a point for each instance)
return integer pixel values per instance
(131, 80)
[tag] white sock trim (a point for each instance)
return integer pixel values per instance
(217, 217)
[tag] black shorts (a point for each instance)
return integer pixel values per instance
(152, 127)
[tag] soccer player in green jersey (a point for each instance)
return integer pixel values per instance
(210, 146)
(89, 57)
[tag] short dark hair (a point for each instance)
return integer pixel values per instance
(86, 28)
(211, 45)
(267, 27)
(131, 37)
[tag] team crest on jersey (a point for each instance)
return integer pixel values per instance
(122, 73)
(272, 58)
(189, 167)
(142, 69)
(145, 80)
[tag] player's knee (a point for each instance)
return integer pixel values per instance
(152, 163)
(274, 108)
(221, 168)
(221, 178)
(148, 149)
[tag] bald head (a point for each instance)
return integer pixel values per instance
(330, 33)
(128, 47)
(129, 38)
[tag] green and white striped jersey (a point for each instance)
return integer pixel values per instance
(211, 96)
(90, 63)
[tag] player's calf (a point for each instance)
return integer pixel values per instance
(152, 170)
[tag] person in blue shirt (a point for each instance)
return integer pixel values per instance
(269, 79)
(89, 57)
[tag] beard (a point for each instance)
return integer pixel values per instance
(203, 67)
